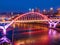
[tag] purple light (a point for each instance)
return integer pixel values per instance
(51, 23)
(4, 38)
(5, 27)
(55, 24)
(52, 32)
(4, 31)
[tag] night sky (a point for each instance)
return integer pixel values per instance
(24, 5)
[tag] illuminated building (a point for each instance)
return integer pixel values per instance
(58, 12)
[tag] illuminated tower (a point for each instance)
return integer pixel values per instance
(51, 12)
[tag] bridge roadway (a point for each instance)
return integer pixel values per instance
(27, 21)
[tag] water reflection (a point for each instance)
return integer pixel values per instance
(52, 32)
(52, 37)
(42, 37)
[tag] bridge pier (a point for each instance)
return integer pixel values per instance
(52, 25)
(4, 38)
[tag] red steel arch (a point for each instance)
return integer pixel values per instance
(44, 16)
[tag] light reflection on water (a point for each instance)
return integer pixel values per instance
(52, 32)
(52, 38)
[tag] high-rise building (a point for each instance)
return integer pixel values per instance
(51, 12)
(58, 12)
(37, 10)
(44, 12)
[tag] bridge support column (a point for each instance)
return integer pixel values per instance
(52, 25)
(4, 38)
